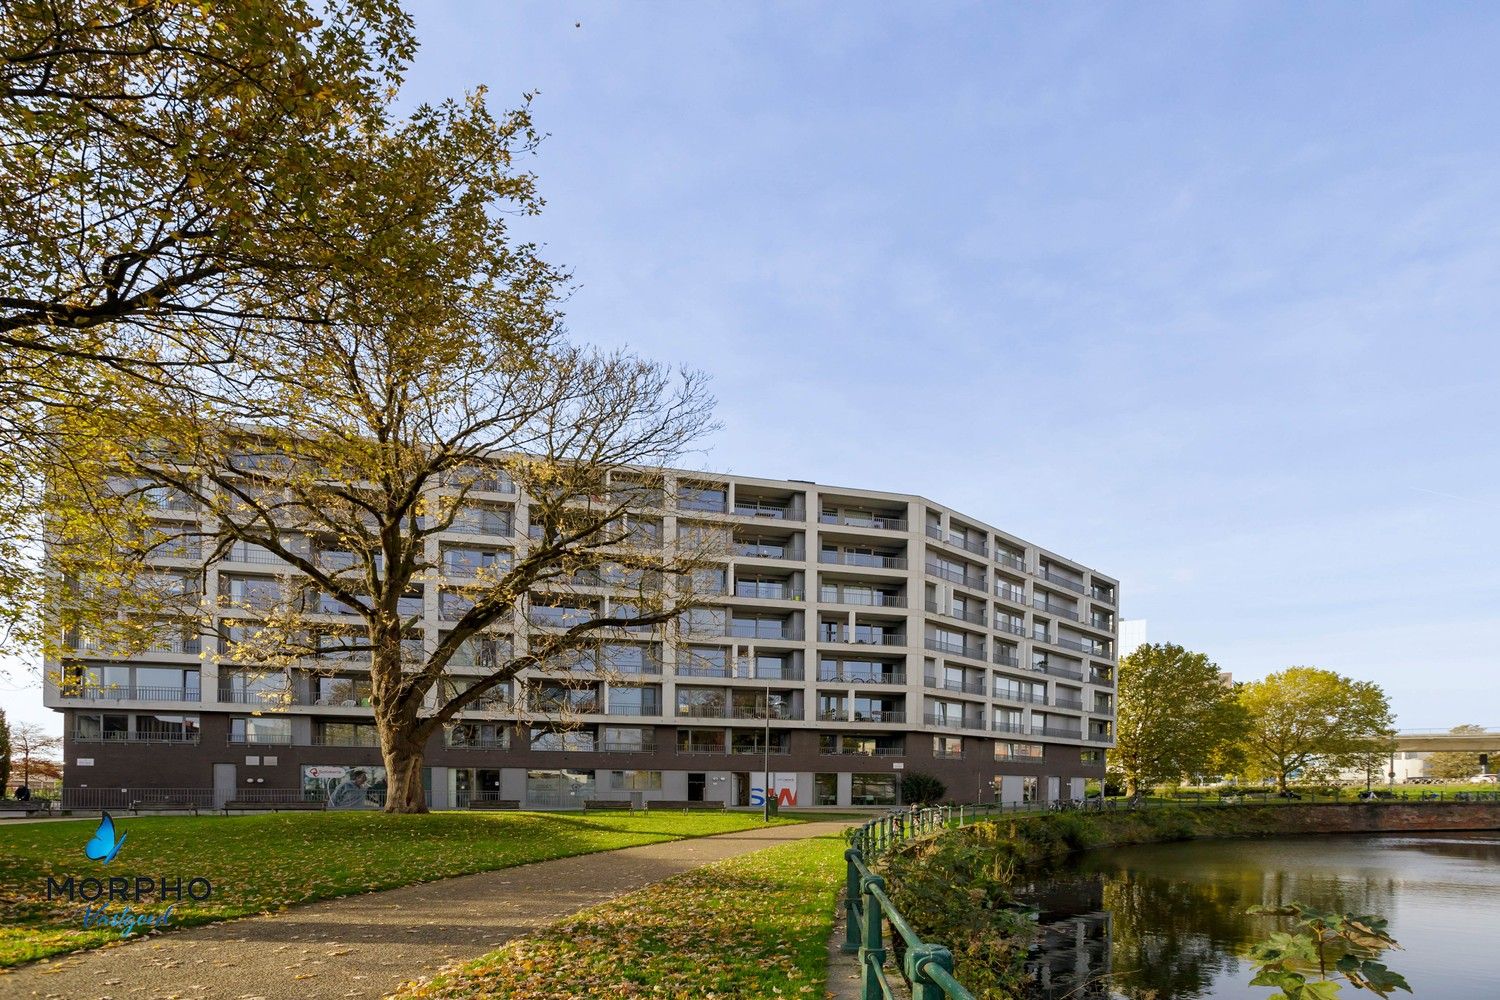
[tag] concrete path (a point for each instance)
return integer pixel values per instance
(365, 946)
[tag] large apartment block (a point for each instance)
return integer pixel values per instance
(870, 634)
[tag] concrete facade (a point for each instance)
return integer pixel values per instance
(884, 632)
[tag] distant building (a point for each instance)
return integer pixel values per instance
(1132, 635)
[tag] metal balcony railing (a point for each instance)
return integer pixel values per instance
(757, 551)
(1057, 670)
(1061, 581)
(137, 737)
(894, 677)
(951, 722)
(972, 651)
(882, 522)
(862, 559)
(1011, 560)
(763, 630)
(1059, 732)
(945, 684)
(1014, 595)
(842, 634)
(1076, 704)
(831, 595)
(1029, 697)
(1015, 728)
(1010, 627)
(1104, 594)
(955, 576)
(1006, 659)
(1061, 610)
(974, 616)
(879, 716)
(132, 692)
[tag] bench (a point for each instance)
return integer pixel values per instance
(237, 805)
(163, 805)
(685, 806)
(494, 803)
(26, 806)
(601, 805)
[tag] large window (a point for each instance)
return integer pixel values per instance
(625, 739)
(561, 739)
(825, 789)
(260, 730)
(644, 700)
(872, 790)
(700, 741)
(635, 781)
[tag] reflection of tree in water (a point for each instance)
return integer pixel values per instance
(1177, 927)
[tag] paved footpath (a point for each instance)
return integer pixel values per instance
(366, 946)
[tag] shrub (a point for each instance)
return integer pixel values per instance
(918, 789)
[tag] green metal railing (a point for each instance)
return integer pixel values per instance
(928, 967)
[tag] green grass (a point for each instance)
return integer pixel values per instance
(749, 927)
(267, 862)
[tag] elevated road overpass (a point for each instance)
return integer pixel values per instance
(1440, 740)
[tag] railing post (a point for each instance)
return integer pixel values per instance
(872, 947)
(919, 960)
(851, 903)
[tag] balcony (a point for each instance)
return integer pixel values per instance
(873, 599)
(1101, 737)
(974, 651)
(779, 713)
(1075, 704)
(974, 617)
(951, 722)
(744, 590)
(1015, 728)
(1078, 646)
(761, 550)
(1061, 581)
(1042, 604)
(948, 754)
(1010, 627)
(763, 630)
(966, 687)
(955, 576)
(1060, 732)
(1057, 670)
(1011, 560)
(880, 521)
(862, 559)
(1105, 594)
(853, 637)
(638, 746)
(259, 739)
(978, 547)
(856, 751)
(1012, 594)
(878, 716)
(894, 677)
(1015, 694)
(719, 711)
(771, 511)
(131, 692)
(1006, 659)
(753, 750)
(149, 737)
(481, 743)
(1101, 679)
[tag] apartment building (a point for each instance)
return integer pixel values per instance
(859, 636)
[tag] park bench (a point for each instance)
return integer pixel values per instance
(494, 803)
(239, 805)
(163, 805)
(683, 805)
(24, 806)
(607, 804)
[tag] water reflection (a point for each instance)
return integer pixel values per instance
(1168, 921)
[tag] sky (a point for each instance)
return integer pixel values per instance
(1201, 295)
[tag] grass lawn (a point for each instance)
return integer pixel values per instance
(750, 927)
(266, 862)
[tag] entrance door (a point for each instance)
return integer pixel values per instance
(741, 788)
(225, 782)
(696, 785)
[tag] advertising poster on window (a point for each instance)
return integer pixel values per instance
(344, 787)
(783, 788)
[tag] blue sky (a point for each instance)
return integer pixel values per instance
(1203, 295)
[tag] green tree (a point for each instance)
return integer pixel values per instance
(1458, 764)
(1176, 716)
(1315, 721)
(182, 183)
(4, 753)
(918, 789)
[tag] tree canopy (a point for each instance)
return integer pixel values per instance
(1305, 719)
(1459, 764)
(1176, 716)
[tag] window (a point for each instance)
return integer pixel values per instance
(705, 661)
(693, 496)
(700, 741)
(645, 700)
(626, 739)
(260, 730)
(704, 621)
(947, 746)
(472, 562)
(710, 580)
(635, 781)
(347, 734)
(484, 735)
(825, 789)
(555, 739)
(872, 790)
(1015, 751)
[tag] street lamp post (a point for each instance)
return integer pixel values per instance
(765, 761)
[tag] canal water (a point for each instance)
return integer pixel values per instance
(1168, 921)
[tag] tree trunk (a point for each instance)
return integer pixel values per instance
(403, 776)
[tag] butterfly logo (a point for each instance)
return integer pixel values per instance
(103, 846)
